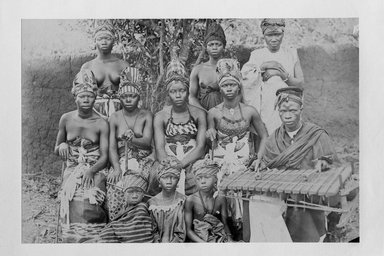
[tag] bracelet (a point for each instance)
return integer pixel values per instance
(286, 78)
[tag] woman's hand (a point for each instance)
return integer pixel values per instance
(128, 135)
(211, 134)
(114, 176)
(88, 179)
(64, 150)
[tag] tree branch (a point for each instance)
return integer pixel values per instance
(187, 40)
(161, 64)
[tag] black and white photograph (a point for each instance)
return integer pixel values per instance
(196, 127)
(190, 130)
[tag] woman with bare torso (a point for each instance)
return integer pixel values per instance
(82, 141)
(107, 69)
(204, 91)
(130, 140)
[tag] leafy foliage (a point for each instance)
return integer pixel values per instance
(149, 44)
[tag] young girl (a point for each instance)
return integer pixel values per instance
(167, 207)
(206, 215)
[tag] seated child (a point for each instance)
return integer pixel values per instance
(167, 207)
(134, 224)
(206, 215)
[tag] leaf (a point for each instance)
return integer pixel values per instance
(44, 232)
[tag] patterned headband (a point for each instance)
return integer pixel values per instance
(104, 29)
(166, 167)
(176, 72)
(84, 81)
(206, 167)
(285, 97)
(272, 25)
(138, 178)
(228, 69)
(130, 80)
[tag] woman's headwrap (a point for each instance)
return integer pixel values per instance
(84, 81)
(138, 179)
(176, 72)
(130, 80)
(104, 29)
(289, 93)
(272, 25)
(215, 32)
(206, 167)
(228, 69)
(166, 167)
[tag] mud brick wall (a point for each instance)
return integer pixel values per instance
(46, 86)
(331, 98)
(332, 89)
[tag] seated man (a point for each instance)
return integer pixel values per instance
(299, 145)
(206, 215)
(82, 141)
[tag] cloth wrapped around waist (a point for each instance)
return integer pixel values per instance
(210, 229)
(105, 106)
(210, 97)
(80, 205)
(83, 154)
(133, 226)
(233, 154)
(179, 149)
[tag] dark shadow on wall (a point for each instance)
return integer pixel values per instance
(331, 98)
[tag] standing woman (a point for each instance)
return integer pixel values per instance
(107, 69)
(204, 92)
(180, 128)
(268, 70)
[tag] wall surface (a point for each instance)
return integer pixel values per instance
(331, 98)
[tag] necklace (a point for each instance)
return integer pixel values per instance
(126, 122)
(231, 110)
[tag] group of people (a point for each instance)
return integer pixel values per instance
(132, 176)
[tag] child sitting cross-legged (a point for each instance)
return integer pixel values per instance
(206, 215)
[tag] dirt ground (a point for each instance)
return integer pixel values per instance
(40, 204)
